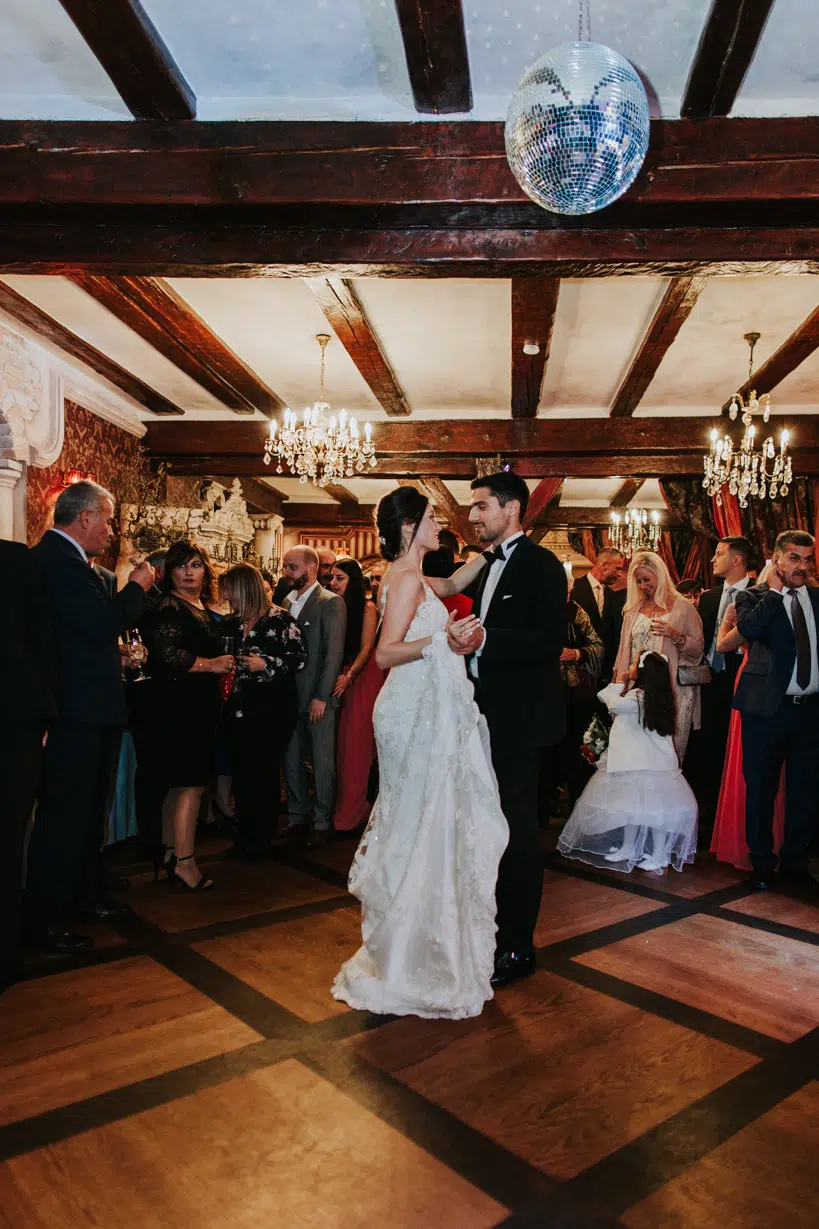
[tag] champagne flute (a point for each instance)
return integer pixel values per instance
(139, 653)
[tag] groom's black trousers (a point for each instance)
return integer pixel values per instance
(520, 877)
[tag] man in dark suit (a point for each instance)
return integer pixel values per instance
(28, 707)
(604, 607)
(521, 601)
(778, 696)
(322, 617)
(706, 756)
(80, 756)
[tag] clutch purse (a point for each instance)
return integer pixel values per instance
(693, 676)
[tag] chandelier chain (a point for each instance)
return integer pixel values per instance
(584, 17)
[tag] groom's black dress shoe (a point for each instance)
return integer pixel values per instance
(53, 939)
(512, 966)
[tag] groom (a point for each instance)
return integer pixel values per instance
(515, 666)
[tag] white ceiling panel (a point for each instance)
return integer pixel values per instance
(369, 490)
(784, 78)
(649, 495)
(599, 325)
(709, 358)
(296, 491)
(589, 492)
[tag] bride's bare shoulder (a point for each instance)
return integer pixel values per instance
(402, 581)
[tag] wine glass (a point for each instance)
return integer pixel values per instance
(138, 652)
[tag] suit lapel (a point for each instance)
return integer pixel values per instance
(510, 572)
(308, 606)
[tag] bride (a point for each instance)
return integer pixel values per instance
(426, 869)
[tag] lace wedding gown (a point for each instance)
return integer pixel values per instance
(427, 866)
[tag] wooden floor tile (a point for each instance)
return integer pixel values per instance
(777, 907)
(706, 875)
(558, 1074)
(293, 963)
(765, 1177)
(338, 855)
(573, 906)
(72, 1035)
(241, 890)
(278, 1148)
(759, 980)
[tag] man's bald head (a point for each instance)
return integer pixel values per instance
(326, 562)
(300, 566)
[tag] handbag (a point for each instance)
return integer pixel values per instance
(693, 676)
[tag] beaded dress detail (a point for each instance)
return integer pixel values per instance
(426, 868)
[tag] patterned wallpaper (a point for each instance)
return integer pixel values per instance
(90, 444)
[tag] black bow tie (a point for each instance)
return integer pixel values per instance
(494, 556)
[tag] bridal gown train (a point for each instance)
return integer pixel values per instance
(427, 866)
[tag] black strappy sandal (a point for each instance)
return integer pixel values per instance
(202, 885)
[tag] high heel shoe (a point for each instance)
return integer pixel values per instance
(201, 885)
(161, 862)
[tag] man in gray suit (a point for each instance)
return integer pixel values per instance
(322, 617)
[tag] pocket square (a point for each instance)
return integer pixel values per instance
(306, 623)
(506, 597)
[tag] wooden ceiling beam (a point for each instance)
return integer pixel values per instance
(253, 164)
(153, 309)
(595, 518)
(799, 346)
(340, 493)
(534, 305)
(626, 492)
(724, 54)
(262, 497)
(676, 306)
(444, 503)
(544, 494)
(128, 46)
(329, 514)
(50, 330)
(341, 305)
(437, 60)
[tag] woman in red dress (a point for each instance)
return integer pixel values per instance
(359, 684)
(441, 563)
(728, 843)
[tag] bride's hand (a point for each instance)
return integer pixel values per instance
(464, 635)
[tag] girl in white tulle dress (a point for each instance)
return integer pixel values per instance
(638, 809)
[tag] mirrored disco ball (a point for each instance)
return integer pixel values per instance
(577, 128)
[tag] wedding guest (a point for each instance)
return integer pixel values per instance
(185, 660)
(357, 689)
(449, 541)
(375, 575)
(656, 617)
(692, 591)
(261, 710)
(728, 842)
(322, 618)
(469, 551)
(441, 562)
(638, 809)
(280, 590)
(268, 582)
(327, 561)
(157, 561)
(705, 762)
(594, 593)
(63, 879)
(27, 710)
(778, 696)
(580, 664)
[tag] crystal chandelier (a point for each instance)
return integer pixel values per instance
(745, 471)
(318, 449)
(635, 530)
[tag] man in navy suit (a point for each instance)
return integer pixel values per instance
(778, 696)
(80, 755)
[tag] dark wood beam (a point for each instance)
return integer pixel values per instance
(445, 504)
(624, 495)
(539, 499)
(329, 514)
(340, 493)
(338, 300)
(128, 46)
(154, 310)
(262, 497)
(437, 61)
(726, 49)
(24, 311)
(534, 304)
(374, 164)
(676, 306)
(595, 518)
(799, 346)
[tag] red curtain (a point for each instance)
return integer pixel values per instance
(667, 555)
(588, 545)
(727, 518)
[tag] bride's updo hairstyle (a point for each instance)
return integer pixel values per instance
(403, 506)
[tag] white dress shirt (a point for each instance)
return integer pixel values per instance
(297, 603)
(729, 592)
(492, 581)
(807, 606)
(73, 541)
(598, 590)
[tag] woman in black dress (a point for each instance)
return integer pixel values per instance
(261, 710)
(185, 661)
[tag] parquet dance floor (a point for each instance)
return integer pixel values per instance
(658, 1072)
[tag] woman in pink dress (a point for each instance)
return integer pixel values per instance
(359, 684)
(728, 843)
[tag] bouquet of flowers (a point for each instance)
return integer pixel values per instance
(595, 741)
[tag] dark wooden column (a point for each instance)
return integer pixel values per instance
(534, 305)
(437, 60)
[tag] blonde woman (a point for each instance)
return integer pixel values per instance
(658, 618)
(261, 710)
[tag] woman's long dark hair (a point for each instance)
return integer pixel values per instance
(403, 505)
(181, 553)
(354, 599)
(657, 708)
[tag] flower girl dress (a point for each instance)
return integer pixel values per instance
(638, 809)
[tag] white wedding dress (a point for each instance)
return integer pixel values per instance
(427, 866)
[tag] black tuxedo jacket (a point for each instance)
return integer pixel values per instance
(763, 621)
(709, 612)
(87, 621)
(27, 632)
(608, 623)
(520, 687)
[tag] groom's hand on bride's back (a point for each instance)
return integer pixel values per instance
(464, 636)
